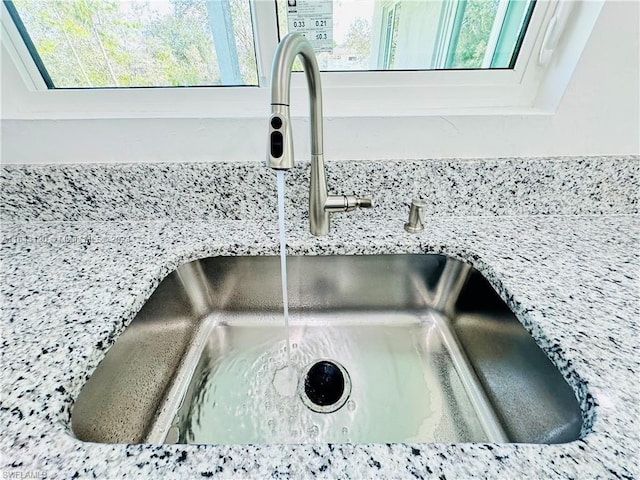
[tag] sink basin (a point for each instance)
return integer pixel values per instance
(428, 352)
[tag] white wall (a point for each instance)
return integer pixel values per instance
(598, 115)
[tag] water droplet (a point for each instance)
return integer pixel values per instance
(313, 431)
(267, 405)
(345, 431)
(271, 422)
(295, 433)
(294, 345)
(271, 360)
(351, 405)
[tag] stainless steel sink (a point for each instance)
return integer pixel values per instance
(429, 350)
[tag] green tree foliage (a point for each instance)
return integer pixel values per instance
(358, 38)
(474, 33)
(242, 26)
(183, 45)
(110, 43)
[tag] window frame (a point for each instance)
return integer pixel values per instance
(346, 94)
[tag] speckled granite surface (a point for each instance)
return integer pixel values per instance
(70, 287)
(244, 191)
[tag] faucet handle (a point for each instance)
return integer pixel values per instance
(416, 216)
(346, 203)
(364, 202)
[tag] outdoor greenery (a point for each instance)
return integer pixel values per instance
(107, 43)
(138, 43)
(474, 33)
(467, 48)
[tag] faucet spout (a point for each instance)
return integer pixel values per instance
(280, 154)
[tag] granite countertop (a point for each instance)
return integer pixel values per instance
(77, 266)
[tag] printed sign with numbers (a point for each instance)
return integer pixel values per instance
(313, 19)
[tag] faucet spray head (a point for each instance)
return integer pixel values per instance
(280, 148)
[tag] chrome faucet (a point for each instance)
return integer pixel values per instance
(280, 151)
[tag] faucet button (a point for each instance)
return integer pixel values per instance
(276, 122)
(277, 144)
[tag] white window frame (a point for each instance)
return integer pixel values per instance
(528, 88)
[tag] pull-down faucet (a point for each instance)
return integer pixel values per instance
(280, 151)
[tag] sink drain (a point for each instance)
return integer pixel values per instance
(325, 386)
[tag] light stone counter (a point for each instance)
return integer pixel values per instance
(76, 268)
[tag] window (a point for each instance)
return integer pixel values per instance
(107, 43)
(423, 35)
(386, 57)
